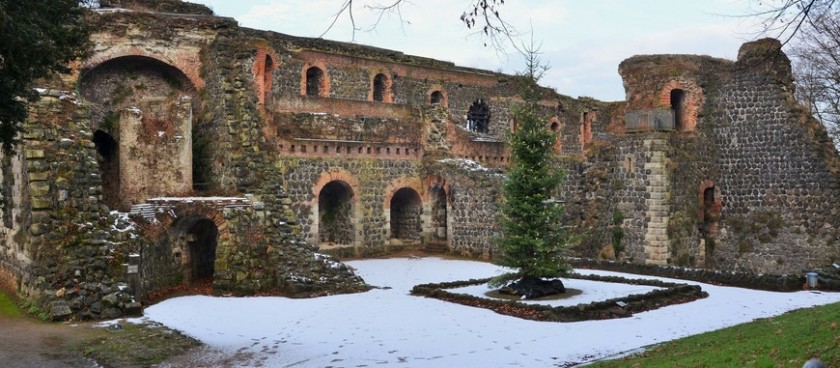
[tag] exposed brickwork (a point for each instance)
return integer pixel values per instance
(720, 170)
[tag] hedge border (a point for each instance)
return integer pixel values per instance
(622, 307)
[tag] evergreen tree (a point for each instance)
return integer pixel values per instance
(532, 238)
(38, 37)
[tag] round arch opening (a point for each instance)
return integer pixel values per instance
(335, 213)
(406, 209)
(200, 237)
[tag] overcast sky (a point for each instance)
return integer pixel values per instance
(583, 41)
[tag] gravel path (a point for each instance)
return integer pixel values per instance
(25, 343)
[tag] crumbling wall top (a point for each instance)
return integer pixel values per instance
(158, 6)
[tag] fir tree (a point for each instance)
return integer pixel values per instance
(39, 37)
(532, 238)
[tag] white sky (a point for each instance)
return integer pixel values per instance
(583, 41)
(390, 328)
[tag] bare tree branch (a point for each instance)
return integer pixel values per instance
(482, 19)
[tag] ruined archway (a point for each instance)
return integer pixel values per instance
(335, 213)
(438, 218)
(478, 117)
(199, 237)
(406, 209)
(142, 109)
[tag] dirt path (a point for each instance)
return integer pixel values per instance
(27, 343)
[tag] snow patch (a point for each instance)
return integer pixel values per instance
(390, 326)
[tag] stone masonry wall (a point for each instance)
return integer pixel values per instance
(779, 193)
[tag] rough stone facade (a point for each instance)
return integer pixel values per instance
(242, 156)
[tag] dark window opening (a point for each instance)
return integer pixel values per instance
(436, 98)
(478, 117)
(406, 209)
(335, 211)
(380, 84)
(267, 83)
(314, 81)
(109, 166)
(678, 107)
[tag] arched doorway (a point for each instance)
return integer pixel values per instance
(109, 165)
(437, 205)
(335, 213)
(406, 209)
(200, 238)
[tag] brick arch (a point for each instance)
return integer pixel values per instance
(263, 80)
(324, 90)
(405, 182)
(190, 65)
(329, 176)
(212, 213)
(693, 99)
(433, 180)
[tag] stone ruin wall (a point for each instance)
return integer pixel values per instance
(752, 179)
(731, 188)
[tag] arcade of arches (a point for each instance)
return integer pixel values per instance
(409, 217)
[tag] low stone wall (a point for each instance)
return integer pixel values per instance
(719, 277)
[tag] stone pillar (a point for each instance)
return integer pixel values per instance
(656, 234)
(155, 145)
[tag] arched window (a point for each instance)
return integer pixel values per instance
(436, 98)
(380, 87)
(314, 81)
(478, 117)
(678, 108)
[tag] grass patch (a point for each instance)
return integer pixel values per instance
(136, 345)
(784, 341)
(8, 306)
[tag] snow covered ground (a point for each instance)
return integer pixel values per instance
(389, 327)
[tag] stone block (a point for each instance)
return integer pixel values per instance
(41, 203)
(39, 188)
(35, 154)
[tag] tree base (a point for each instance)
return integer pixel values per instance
(532, 288)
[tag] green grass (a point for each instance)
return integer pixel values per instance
(136, 345)
(8, 306)
(784, 341)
